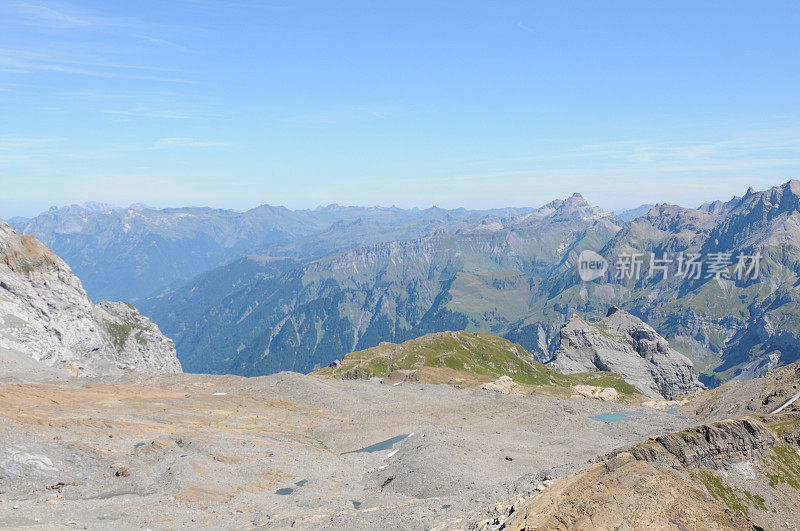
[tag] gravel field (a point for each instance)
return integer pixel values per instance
(197, 451)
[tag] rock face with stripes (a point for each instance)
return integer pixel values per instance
(626, 345)
(48, 325)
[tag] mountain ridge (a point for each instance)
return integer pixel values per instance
(364, 279)
(153, 249)
(389, 291)
(48, 321)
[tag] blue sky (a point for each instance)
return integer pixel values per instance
(475, 104)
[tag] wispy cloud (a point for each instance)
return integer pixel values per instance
(49, 14)
(186, 142)
(774, 145)
(64, 16)
(250, 5)
(748, 150)
(15, 144)
(24, 150)
(26, 61)
(26, 68)
(677, 171)
(46, 149)
(147, 112)
(522, 26)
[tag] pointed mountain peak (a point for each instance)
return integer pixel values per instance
(574, 207)
(792, 186)
(577, 198)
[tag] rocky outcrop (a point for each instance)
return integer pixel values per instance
(730, 484)
(717, 445)
(605, 394)
(617, 493)
(46, 315)
(760, 220)
(733, 474)
(626, 345)
(503, 385)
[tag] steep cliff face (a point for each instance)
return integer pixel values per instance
(626, 345)
(46, 315)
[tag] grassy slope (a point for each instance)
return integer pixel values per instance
(478, 354)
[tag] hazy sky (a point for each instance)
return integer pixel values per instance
(476, 104)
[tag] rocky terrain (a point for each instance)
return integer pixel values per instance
(288, 450)
(737, 468)
(367, 442)
(624, 344)
(199, 451)
(49, 326)
(760, 395)
(733, 474)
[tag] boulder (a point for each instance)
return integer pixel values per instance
(504, 385)
(605, 394)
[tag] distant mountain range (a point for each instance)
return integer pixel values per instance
(272, 289)
(632, 213)
(479, 277)
(134, 252)
(729, 327)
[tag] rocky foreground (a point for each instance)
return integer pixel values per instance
(447, 431)
(288, 450)
(734, 474)
(191, 451)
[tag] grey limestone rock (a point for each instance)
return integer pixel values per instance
(626, 345)
(45, 315)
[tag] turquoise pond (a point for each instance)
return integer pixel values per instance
(614, 417)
